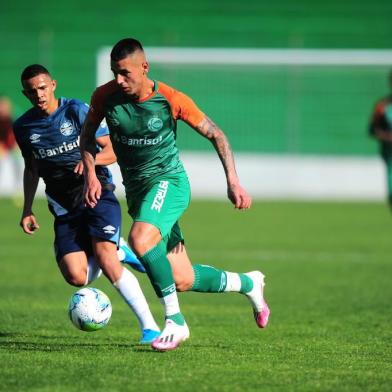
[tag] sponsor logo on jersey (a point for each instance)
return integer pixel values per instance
(43, 153)
(35, 138)
(67, 128)
(155, 124)
(145, 141)
(109, 229)
(160, 196)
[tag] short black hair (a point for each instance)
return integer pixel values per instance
(33, 70)
(125, 47)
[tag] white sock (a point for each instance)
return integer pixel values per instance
(120, 254)
(93, 270)
(233, 282)
(170, 302)
(129, 288)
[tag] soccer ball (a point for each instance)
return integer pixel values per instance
(89, 309)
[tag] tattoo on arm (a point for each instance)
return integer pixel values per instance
(212, 132)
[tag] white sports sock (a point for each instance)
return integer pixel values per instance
(93, 270)
(170, 302)
(120, 254)
(129, 288)
(233, 282)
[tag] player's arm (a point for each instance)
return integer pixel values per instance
(377, 125)
(28, 221)
(104, 157)
(381, 135)
(236, 193)
(92, 186)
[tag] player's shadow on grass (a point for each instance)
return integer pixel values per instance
(22, 342)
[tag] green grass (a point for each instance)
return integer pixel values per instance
(328, 268)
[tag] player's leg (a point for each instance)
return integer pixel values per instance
(154, 214)
(73, 250)
(104, 227)
(126, 256)
(146, 241)
(78, 269)
(208, 279)
(388, 164)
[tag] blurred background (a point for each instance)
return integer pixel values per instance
(292, 84)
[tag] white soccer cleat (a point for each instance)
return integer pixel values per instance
(261, 310)
(171, 337)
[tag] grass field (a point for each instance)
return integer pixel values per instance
(328, 268)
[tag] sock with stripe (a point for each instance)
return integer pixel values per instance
(213, 280)
(159, 271)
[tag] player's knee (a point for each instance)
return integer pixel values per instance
(140, 243)
(76, 279)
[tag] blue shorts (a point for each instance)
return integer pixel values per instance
(74, 231)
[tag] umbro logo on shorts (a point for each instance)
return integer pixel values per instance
(109, 229)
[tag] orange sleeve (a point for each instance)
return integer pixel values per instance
(96, 111)
(183, 108)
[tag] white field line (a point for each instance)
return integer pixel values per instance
(222, 56)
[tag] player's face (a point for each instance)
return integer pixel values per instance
(131, 74)
(40, 92)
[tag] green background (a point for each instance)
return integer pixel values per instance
(274, 109)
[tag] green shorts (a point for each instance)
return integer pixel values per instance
(162, 205)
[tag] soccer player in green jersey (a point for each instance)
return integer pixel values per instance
(381, 129)
(142, 115)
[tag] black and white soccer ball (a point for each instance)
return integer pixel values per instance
(90, 309)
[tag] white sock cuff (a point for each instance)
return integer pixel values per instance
(170, 302)
(233, 282)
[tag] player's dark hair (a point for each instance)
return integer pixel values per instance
(33, 70)
(124, 48)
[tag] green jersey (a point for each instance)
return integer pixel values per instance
(143, 133)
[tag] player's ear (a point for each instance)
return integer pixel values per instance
(54, 84)
(146, 67)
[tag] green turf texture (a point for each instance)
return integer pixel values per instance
(328, 268)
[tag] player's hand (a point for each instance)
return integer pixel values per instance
(29, 224)
(92, 191)
(239, 196)
(79, 168)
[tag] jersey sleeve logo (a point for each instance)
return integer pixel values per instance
(154, 124)
(67, 128)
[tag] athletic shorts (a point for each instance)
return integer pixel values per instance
(162, 205)
(74, 231)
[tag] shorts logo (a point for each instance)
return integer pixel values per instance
(35, 138)
(66, 128)
(160, 196)
(109, 229)
(155, 124)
